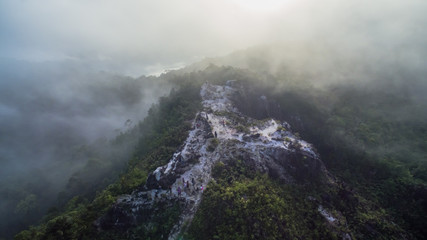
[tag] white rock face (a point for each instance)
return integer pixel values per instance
(328, 216)
(266, 145)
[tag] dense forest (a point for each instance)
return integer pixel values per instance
(225, 119)
(372, 137)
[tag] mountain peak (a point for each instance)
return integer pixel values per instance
(220, 133)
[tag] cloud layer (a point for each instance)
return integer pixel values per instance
(52, 96)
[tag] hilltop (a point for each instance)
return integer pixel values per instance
(270, 164)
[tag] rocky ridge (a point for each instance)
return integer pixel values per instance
(220, 133)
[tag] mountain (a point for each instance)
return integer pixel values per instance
(270, 159)
(220, 136)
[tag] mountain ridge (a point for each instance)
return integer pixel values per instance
(268, 146)
(245, 199)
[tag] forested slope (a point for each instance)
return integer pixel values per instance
(372, 140)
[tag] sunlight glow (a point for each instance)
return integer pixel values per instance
(262, 6)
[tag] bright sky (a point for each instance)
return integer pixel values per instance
(139, 36)
(263, 6)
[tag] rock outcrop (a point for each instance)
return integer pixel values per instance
(220, 133)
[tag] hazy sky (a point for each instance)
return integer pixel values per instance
(130, 34)
(139, 36)
(53, 97)
(49, 47)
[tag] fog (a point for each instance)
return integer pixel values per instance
(55, 117)
(47, 109)
(142, 37)
(70, 71)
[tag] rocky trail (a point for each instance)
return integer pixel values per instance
(219, 133)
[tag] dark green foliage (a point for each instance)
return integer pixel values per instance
(161, 133)
(372, 137)
(373, 141)
(23, 203)
(158, 228)
(156, 139)
(45, 157)
(165, 128)
(213, 143)
(241, 204)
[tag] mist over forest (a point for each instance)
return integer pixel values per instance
(78, 78)
(55, 118)
(66, 106)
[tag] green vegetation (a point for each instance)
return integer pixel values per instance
(371, 136)
(161, 133)
(160, 224)
(281, 128)
(373, 141)
(213, 143)
(155, 139)
(256, 209)
(242, 204)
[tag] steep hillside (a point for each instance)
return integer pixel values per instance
(213, 164)
(221, 134)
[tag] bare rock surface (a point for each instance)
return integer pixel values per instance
(219, 133)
